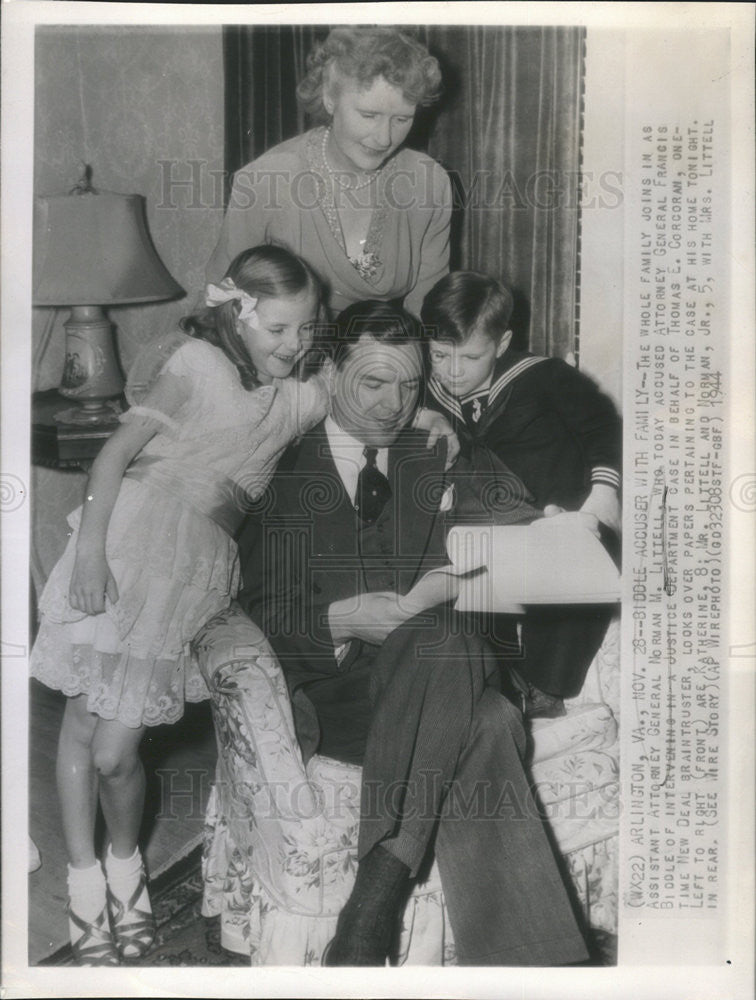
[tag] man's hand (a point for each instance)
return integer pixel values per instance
(438, 426)
(370, 617)
(437, 587)
(575, 518)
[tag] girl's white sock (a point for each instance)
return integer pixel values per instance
(86, 889)
(123, 873)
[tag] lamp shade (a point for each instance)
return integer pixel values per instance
(94, 249)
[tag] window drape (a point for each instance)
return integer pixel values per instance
(508, 131)
(262, 66)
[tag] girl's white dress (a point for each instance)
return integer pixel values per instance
(215, 449)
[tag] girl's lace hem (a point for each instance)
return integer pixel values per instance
(119, 686)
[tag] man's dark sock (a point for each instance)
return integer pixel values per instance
(539, 704)
(535, 703)
(366, 925)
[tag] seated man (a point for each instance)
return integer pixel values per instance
(401, 685)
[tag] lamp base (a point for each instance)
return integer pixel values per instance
(90, 414)
(91, 375)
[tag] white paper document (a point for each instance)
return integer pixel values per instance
(548, 562)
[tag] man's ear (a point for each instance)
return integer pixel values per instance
(504, 343)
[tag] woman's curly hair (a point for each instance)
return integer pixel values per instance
(364, 53)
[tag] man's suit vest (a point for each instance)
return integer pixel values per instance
(310, 547)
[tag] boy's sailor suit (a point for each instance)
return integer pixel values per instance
(548, 424)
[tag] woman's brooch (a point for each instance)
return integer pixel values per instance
(367, 264)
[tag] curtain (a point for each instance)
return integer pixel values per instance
(510, 137)
(507, 130)
(262, 66)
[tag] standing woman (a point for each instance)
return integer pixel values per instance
(370, 216)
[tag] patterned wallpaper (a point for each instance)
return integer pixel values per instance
(144, 107)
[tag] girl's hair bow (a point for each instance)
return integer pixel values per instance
(226, 291)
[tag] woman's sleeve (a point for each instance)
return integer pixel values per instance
(434, 249)
(245, 221)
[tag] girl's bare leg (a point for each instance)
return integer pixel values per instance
(115, 752)
(77, 789)
(77, 781)
(121, 775)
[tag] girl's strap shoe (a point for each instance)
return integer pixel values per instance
(133, 929)
(95, 946)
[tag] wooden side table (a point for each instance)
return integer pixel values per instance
(64, 446)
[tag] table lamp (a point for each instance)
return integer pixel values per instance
(91, 250)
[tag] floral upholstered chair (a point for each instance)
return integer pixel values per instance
(281, 838)
(574, 765)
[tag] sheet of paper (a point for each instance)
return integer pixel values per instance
(551, 561)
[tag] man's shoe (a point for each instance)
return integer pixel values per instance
(366, 926)
(338, 954)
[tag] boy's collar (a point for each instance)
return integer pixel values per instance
(510, 357)
(509, 368)
(482, 389)
(444, 397)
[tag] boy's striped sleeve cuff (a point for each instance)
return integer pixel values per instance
(605, 474)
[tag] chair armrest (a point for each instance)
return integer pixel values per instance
(225, 634)
(588, 727)
(251, 705)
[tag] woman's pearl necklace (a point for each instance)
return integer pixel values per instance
(339, 176)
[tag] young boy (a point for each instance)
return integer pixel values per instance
(549, 425)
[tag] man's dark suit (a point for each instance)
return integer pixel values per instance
(439, 744)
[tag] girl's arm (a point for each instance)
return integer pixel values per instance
(311, 399)
(91, 579)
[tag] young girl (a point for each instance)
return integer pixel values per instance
(152, 559)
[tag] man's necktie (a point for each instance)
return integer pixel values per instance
(373, 489)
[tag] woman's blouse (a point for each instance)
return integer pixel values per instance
(289, 196)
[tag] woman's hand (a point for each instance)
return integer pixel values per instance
(438, 426)
(91, 581)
